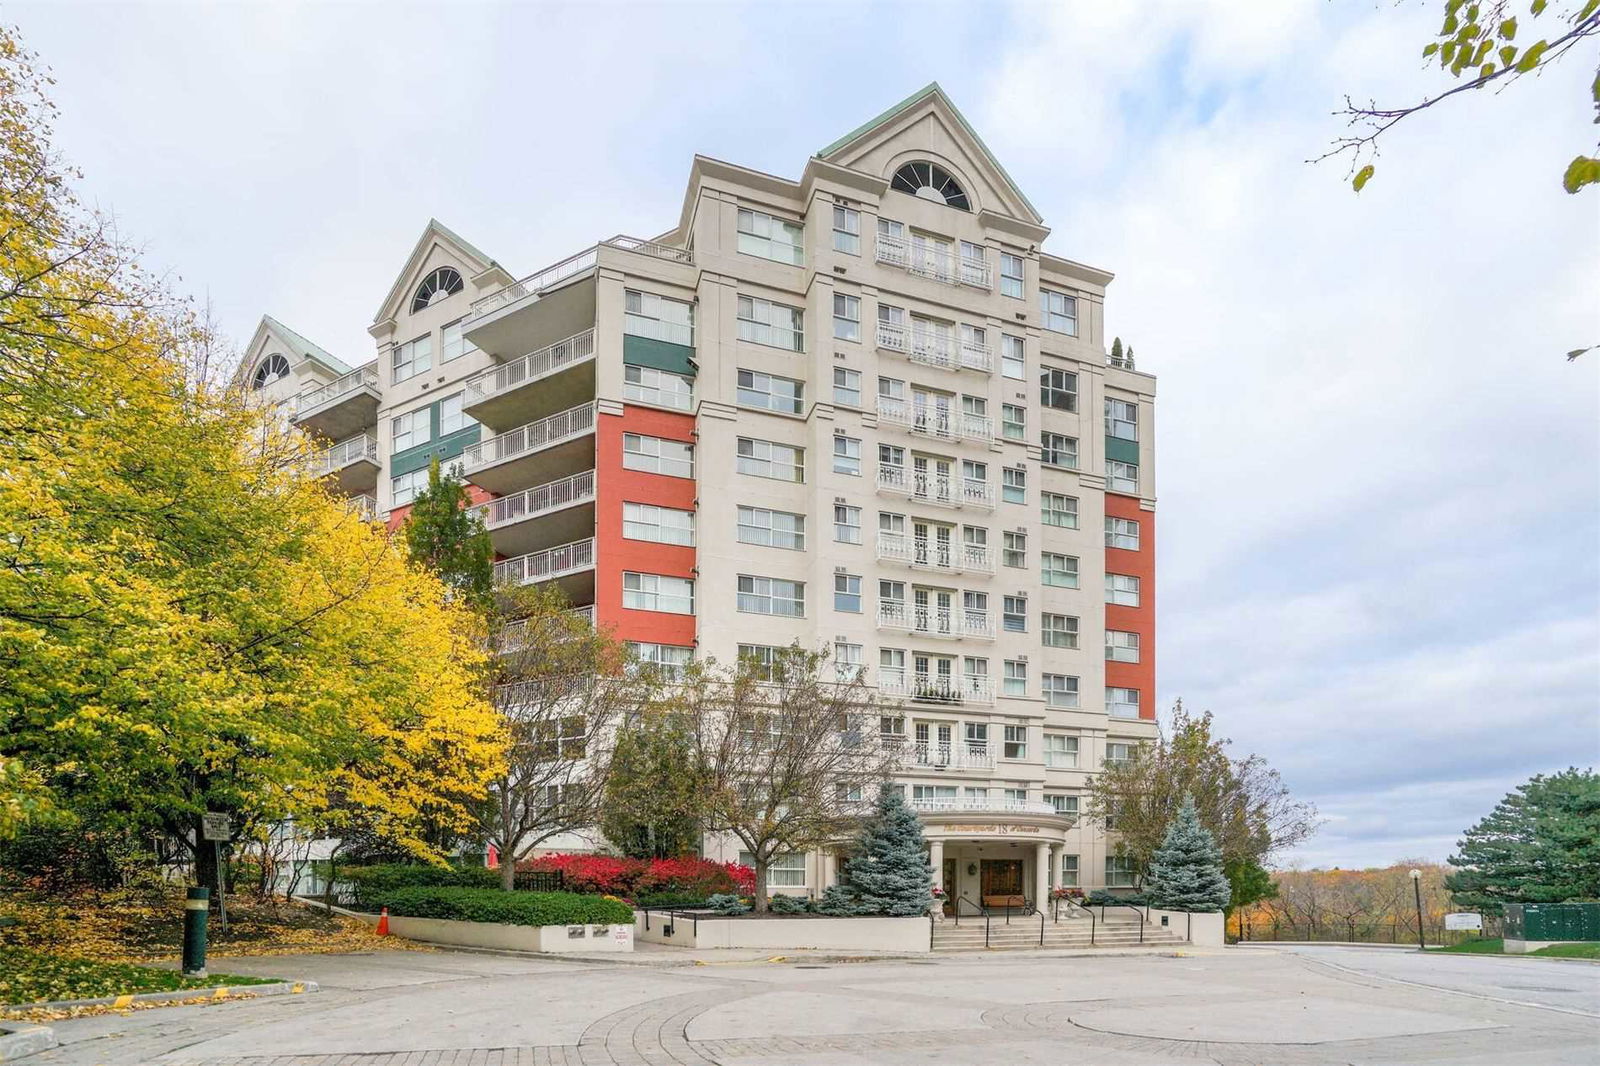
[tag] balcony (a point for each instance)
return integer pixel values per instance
(365, 506)
(935, 688)
(342, 407)
(570, 565)
(514, 636)
(535, 384)
(927, 553)
(533, 453)
(925, 487)
(927, 260)
(939, 423)
(950, 756)
(937, 348)
(954, 623)
(353, 463)
(983, 804)
(555, 512)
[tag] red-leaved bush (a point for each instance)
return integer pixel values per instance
(630, 878)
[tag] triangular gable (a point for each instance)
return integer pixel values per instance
(436, 236)
(927, 117)
(274, 335)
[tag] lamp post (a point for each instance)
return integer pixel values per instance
(1416, 890)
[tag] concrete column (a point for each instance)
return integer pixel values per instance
(825, 861)
(936, 859)
(1055, 865)
(1041, 874)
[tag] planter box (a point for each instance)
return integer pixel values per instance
(550, 938)
(785, 933)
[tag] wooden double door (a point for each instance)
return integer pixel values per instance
(1001, 877)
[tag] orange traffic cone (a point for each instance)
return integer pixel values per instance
(383, 922)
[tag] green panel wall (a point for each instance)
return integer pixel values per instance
(663, 355)
(1123, 451)
(444, 447)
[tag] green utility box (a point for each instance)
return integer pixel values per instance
(1531, 926)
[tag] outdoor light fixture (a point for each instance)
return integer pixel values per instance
(1416, 890)
(972, 869)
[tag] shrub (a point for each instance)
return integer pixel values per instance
(841, 901)
(788, 904)
(1100, 897)
(670, 899)
(725, 903)
(511, 908)
(638, 877)
(372, 881)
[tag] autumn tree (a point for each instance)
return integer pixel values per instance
(653, 807)
(786, 753)
(1540, 844)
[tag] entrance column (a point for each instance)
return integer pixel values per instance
(825, 862)
(1041, 874)
(936, 860)
(1055, 864)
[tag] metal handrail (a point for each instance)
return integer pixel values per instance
(571, 266)
(531, 367)
(1134, 907)
(367, 375)
(1056, 914)
(674, 914)
(527, 439)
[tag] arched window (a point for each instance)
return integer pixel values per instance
(931, 182)
(446, 281)
(270, 369)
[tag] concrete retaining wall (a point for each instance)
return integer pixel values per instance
(505, 937)
(1202, 930)
(829, 934)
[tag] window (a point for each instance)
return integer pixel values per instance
(655, 455)
(847, 456)
(657, 592)
(1014, 550)
(1014, 614)
(646, 384)
(846, 230)
(410, 429)
(974, 265)
(1058, 630)
(891, 666)
(1060, 691)
(846, 524)
(1016, 742)
(1059, 510)
(775, 325)
(1059, 450)
(772, 529)
(665, 525)
(559, 738)
(411, 358)
(1013, 421)
(892, 729)
(978, 736)
(1122, 590)
(1013, 358)
(1015, 795)
(1011, 275)
(1069, 863)
(1059, 570)
(760, 660)
(846, 387)
(1014, 486)
(1122, 702)
(930, 181)
(766, 237)
(933, 795)
(1122, 533)
(1016, 678)
(1122, 419)
(451, 420)
(1059, 312)
(405, 487)
(1122, 477)
(891, 389)
(452, 345)
(1121, 871)
(1060, 752)
(763, 458)
(977, 675)
(975, 475)
(771, 595)
(784, 871)
(974, 347)
(846, 317)
(846, 661)
(1058, 389)
(657, 317)
(1119, 753)
(668, 659)
(1122, 646)
(442, 283)
(770, 392)
(273, 368)
(847, 593)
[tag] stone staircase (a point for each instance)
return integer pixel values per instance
(1113, 931)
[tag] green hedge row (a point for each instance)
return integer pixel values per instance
(493, 905)
(408, 875)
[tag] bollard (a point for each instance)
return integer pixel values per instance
(195, 910)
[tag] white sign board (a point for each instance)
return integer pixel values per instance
(1463, 920)
(215, 826)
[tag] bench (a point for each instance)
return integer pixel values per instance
(1002, 902)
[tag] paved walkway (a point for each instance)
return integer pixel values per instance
(1233, 1007)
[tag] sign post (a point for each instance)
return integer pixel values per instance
(218, 827)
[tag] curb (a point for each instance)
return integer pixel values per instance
(278, 988)
(17, 1040)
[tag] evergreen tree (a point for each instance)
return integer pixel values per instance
(1541, 844)
(1186, 871)
(1116, 351)
(449, 540)
(890, 872)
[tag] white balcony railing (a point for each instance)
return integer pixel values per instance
(933, 554)
(541, 499)
(981, 803)
(365, 506)
(570, 267)
(929, 420)
(935, 688)
(976, 356)
(514, 636)
(525, 440)
(546, 565)
(928, 621)
(954, 756)
(353, 449)
(932, 261)
(530, 368)
(367, 377)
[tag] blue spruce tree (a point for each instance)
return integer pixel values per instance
(1186, 871)
(890, 873)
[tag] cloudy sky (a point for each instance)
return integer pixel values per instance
(1379, 479)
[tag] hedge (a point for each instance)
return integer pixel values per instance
(510, 908)
(369, 881)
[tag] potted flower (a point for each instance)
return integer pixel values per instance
(938, 894)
